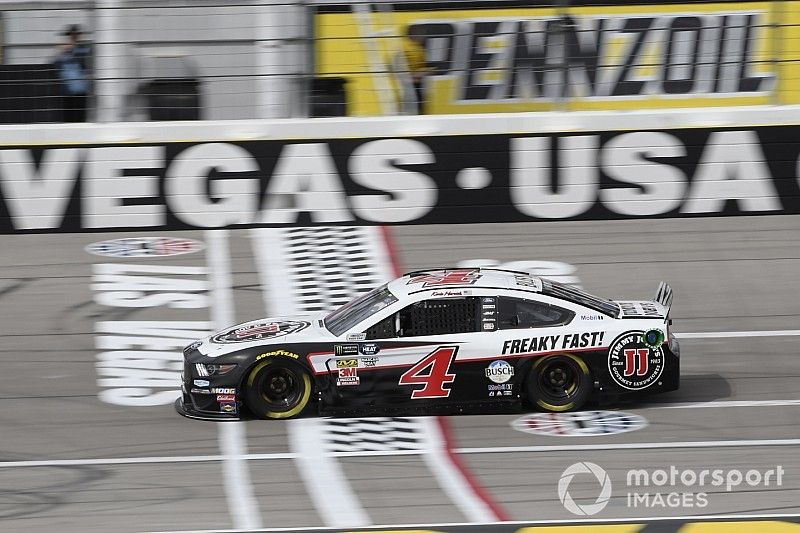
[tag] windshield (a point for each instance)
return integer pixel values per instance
(359, 309)
(577, 296)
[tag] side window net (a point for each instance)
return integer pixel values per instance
(440, 317)
(383, 329)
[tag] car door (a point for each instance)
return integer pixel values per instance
(413, 351)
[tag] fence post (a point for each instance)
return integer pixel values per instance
(109, 53)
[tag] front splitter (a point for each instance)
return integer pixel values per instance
(180, 406)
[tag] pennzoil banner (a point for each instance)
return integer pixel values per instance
(515, 59)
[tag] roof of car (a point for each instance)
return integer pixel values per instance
(463, 278)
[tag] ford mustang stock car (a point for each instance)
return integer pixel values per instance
(442, 339)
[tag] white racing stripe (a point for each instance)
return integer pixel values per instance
(242, 504)
(323, 477)
(306, 270)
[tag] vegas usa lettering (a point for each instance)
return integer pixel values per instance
(139, 362)
(414, 181)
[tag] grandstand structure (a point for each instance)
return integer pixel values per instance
(243, 59)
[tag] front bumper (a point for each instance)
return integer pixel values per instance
(188, 411)
(215, 399)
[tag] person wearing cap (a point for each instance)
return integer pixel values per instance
(72, 63)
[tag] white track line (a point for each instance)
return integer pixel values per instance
(450, 478)
(497, 449)
(242, 504)
(729, 334)
(323, 477)
(726, 403)
(568, 521)
(633, 446)
(139, 460)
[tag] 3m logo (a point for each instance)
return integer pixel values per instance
(446, 277)
(350, 372)
(636, 361)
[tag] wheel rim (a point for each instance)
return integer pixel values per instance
(559, 380)
(281, 388)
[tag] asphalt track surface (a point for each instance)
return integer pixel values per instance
(147, 469)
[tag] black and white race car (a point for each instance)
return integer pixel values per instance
(438, 340)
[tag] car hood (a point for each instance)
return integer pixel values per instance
(265, 332)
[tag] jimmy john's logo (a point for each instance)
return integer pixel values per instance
(258, 331)
(632, 364)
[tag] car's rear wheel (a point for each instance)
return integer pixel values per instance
(278, 388)
(559, 383)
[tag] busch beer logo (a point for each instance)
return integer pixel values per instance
(632, 365)
(446, 277)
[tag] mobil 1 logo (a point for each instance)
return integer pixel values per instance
(632, 364)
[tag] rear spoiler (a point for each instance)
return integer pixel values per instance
(664, 295)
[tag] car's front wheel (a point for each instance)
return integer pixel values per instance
(559, 383)
(278, 388)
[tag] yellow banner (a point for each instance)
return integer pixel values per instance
(578, 58)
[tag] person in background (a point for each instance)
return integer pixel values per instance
(414, 54)
(72, 63)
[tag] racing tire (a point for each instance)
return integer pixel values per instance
(277, 389)
(559, 383)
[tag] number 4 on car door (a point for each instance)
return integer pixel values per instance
(432, 373)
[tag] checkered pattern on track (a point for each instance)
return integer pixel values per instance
(307, 270)
(379, 434)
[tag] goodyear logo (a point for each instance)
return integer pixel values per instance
(283, 353)
(528, 59)
(346, 363)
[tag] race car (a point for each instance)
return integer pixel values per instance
(438, 340)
